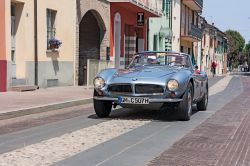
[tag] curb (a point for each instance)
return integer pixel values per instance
(44, 108)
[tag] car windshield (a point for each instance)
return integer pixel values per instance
(160, 59)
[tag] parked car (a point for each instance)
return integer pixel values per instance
(153, 80)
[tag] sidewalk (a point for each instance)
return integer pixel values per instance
(14, 104)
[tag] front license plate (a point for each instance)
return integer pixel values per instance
(133, 100)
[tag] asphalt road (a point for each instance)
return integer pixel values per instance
(135, 147)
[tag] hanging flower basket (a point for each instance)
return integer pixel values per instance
(54, 43)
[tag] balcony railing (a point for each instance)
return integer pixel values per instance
(200, 3)
(196, 5)
(195, 32)
(154, 6)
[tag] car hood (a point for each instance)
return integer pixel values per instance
(146, 72)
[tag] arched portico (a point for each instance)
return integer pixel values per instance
(99, 11)
(91, 33)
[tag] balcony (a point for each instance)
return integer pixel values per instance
(194, 34)
(152, 6)
(196, 5)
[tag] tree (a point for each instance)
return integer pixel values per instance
(247, 47)
(236, 44)
(247, 52)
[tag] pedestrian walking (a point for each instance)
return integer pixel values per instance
(213, 68)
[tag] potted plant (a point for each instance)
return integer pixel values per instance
(54, 43)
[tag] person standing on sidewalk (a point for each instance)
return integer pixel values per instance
(213, 68)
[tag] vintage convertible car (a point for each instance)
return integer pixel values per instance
(153, 80)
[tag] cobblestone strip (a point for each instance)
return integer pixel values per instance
(220, 86)
(56, 149)
(237, 149)
(223, 139)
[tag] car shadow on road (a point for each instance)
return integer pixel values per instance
(169, 115)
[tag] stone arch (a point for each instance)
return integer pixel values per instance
(101, 12)
(91, 34)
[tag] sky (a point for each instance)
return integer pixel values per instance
(229, 14)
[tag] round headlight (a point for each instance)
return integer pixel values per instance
(173, 85)
(99, 82)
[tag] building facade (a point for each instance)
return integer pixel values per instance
(159, 29)
(3, 57)
(176, 24)
(31, 58)
(186, 26)
(214, 49)
(128, 30)
(191, 32)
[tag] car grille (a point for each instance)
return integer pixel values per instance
(139, 88)
(121, 88)
(148, 89)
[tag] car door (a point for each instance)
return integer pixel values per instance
(198, 81)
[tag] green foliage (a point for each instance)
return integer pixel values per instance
(236, 41)
(236, 44)
(246, 52)
(247, 47)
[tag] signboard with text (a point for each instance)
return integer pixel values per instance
(140, 19)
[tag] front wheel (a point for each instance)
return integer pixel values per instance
(185, 106)
(102, 108)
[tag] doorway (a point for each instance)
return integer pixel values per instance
(90, 37)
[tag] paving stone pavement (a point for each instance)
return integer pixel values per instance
(222, 140)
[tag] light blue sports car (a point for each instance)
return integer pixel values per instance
(153, 80)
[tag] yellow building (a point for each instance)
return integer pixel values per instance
(191, 26)
(186, 25)
(33, 55)
(214, 44)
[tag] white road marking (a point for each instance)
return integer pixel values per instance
(220, 86)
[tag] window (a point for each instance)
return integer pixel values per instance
(164, 5)
(193, 17)
(155, 43)
(189, 51)
(204, 40)
(182, 49)
(51, 30)
(211, 42)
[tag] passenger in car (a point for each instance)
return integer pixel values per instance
(196, 70)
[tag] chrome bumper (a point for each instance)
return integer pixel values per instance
(150, 100)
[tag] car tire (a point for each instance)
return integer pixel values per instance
(185, 106)
(202, 104)
(102, 108)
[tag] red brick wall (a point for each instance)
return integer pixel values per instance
(3, 75)
(3, 62)
(128, 17)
